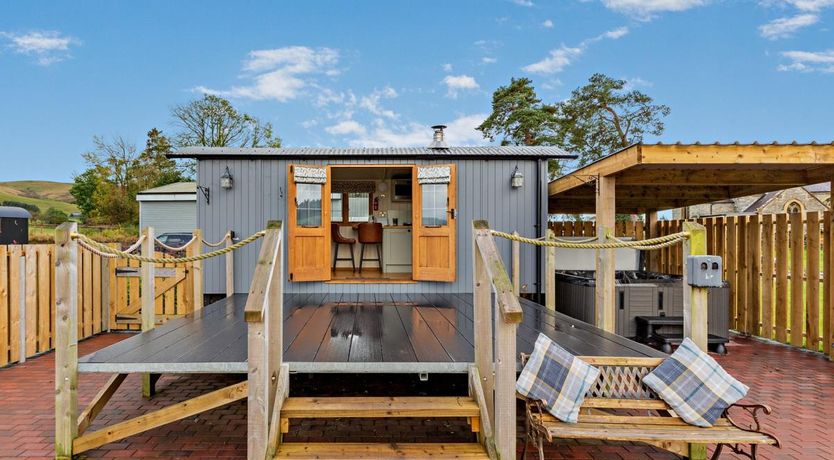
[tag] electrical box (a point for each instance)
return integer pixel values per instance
(704, 271)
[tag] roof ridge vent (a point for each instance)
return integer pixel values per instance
(438, 141)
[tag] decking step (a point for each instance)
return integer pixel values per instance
(379, 407)
(346, 451)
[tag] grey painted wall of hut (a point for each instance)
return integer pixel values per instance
(259, 194)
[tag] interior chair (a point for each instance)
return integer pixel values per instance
(370, 233)
(337, 238)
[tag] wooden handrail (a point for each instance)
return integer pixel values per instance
(259, 290)
(508, 303)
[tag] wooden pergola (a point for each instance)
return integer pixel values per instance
(647, 178)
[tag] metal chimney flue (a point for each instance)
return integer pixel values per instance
(438, 141)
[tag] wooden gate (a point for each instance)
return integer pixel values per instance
(174, 289)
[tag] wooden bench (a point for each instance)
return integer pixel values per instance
(620, 408)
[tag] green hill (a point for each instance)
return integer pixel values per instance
(43, 194)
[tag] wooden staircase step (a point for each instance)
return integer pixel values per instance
(379, 407)
(351, 450)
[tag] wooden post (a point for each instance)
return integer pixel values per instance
(482, 318)
(767, 276)
(812, 282)
(230, 267)
(606, 309)
(828, 292)
(106, 297)
(550, 273)
(652, 257)
(695, 306)
(797, 245)
(148, 280)
(505, 401)
(21, 261)
(695, 298)
(66, 339)
(517, 265)
(754, 269)
(263, 315)
(197, 268)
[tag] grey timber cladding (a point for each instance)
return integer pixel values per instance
(260, 193)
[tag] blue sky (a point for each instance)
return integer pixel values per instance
(379, 73)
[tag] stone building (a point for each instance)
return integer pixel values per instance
(798, 199)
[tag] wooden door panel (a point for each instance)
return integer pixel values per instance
(308, 247)
(434, 243)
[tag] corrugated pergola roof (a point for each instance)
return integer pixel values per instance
(663, 176)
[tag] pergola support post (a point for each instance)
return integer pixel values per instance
(606, 308)
(828, 316)
(695, 298)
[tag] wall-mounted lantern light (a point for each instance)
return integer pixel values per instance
(517, 179)
(226, 181)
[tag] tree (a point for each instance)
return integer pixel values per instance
(213, 122)
(106, 191)
(83, 187)
(603, 117)
(54, 216)
(520, 118)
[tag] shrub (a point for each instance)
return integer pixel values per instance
(54, 216)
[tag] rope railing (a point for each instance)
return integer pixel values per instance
(175, 248)
(103, 250)
(228, 235)
(649, 244)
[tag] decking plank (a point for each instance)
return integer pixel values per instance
(426, 345)
(396, 347)
(335, 344)
(366, 339)
(453, 341)
(308, 341)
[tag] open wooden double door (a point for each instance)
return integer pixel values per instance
(434, 217)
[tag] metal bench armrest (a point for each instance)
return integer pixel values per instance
(753, 410)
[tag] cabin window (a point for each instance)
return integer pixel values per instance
(435, 203)
(308, 205)
(351, 207)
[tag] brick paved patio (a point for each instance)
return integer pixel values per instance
(800, 387)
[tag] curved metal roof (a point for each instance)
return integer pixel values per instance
(14, 212)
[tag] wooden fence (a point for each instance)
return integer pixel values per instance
(633, 229)
(779, 268)
(27, 296)
(109, 297)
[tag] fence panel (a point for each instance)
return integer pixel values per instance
(27, 296)
(779, 268)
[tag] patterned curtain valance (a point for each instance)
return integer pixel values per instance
(353, 186)
(307, 175)
(434, 175)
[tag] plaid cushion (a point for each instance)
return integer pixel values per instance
(557, 378)
(695, 385)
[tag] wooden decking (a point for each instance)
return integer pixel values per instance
(346, 333)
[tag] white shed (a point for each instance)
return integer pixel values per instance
(170, 208)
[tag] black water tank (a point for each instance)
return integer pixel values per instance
(14, 225)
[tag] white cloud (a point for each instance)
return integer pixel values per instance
(648, 9)
(547, 24)
(371, 103)
(804, 5)
(447, 67)
(563, 56)
(281, 74)
(460, 131)
(558, 59)
(346, 127)
(48, 47)
(488, 60)
(808, 61)
(527, 3)
(457, 83)
(785, 27)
